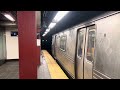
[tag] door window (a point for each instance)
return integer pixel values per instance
(80, 43)
(63, 42)
(91, 45)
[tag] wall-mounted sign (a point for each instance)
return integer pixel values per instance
(14, 33)
(38, 42)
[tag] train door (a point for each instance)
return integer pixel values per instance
(89, 52)
(80, 53)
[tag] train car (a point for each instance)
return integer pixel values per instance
(90, 50)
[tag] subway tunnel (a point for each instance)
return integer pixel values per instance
(59, 44)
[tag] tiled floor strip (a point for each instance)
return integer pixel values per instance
(55, 71)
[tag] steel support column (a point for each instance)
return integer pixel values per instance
(27, 29)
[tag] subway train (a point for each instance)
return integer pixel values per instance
(90, 50)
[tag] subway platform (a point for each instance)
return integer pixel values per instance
(49, 69)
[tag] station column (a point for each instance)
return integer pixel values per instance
(27, 29)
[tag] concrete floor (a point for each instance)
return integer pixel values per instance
(9, 70)
(43, 71)
(49, 69)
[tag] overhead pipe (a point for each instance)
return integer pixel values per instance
(7, 24)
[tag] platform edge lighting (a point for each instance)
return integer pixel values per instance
(8, 16)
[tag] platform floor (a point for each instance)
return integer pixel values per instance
(49, 69)
(9, 70)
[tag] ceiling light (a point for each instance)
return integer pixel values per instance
(43, 35)
(60, 15)
(52, 25)
(56, 19)
(47, 30)
(9, 17)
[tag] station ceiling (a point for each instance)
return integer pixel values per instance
(4, 21)
(71, 19)
(3, 18)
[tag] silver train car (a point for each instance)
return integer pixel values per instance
(90, 50)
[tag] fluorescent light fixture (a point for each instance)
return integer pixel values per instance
(47, 30)
(9, 17)
(52, 25)
(60, 15)
(56, 19)
(43, 35)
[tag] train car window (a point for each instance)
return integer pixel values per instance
(91, 45)
(80, 45)
(63, 42)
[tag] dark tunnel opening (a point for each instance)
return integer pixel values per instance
(46, 44)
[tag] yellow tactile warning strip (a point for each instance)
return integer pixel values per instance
(55, 71)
